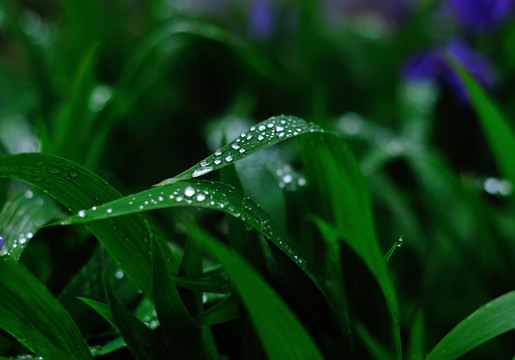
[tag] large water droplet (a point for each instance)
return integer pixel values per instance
(109, 210)
(201, 197)
(81, 213)
(73, 173)
(54, 170)
(201, 171)
(189, 191)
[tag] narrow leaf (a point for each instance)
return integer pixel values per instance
(35, 318)
(498, 131)
(77, 188)
(226, 310)
(21, 218)
(490, 320)
(283, 336)
(258, 137)
(203, 194)
(179, 329)
(102, 309)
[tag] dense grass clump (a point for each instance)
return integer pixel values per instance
(256, 180)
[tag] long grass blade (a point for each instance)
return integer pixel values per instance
(283, 336)
(201, 194)
(74, 186)
(492, 319)
(35, 318)
(258, 137)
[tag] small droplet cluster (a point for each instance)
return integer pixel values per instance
(259, 136)
(289, 179)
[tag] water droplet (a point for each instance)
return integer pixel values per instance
(146, 202)
(178, 198)
(201, 197)
(160, 198)
(235, 146)
(261, 137)
(218, 152)
(399, 242)
(29, 194)
(94, 208)
(217, 161)
(119, 274)
(141, 207)
(242, 150)
(261, 127)
(82, 213)
(73, 173)
(203, 170)
(109, 210)
(22, 240)
(228, 158)
(270, 125)
(54, 170)
(29, 235)
(171, 196)
(189, 191)
(302, 263)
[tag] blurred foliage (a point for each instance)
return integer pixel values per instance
(138, 91)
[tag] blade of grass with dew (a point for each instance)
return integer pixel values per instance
(141, 340)
(214, 281)
(179, 330)
(108, 348)
(392, 249)
(201, 194)
(258, 137)
(35, 318)
(21, 218)
(226, 310)
(492, 319)
(498, 131)
(342, 194)
(282, 335)
(77, 188)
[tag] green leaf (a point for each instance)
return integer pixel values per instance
(282, 335)
(226, 310)
(141, 340)
(102, 309)
(416, 348)
(178, 327)
(498, 131)
(21, 218)
(392, 249)
(35, 318)
(258, 137)
(77, 188)
(375, 348)
(214, 281)
(108, 348)
(492, 319)
(341, 195)
(203, 194)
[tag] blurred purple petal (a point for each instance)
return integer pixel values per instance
(261, 19)
(481, 14)
(475, 63)
(430, 66)
(423, 66)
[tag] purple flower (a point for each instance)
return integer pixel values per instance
(481, 15)
(431, 66)
(261, 19)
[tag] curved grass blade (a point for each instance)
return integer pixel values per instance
(492, 319)
(226, 310)
(283, 336)
(108, 348)
(35, 318)
(21, 218)
(499, 134)
(102, 309)
(203, 194)
(343, 199)
(258, 137)
(74, 186)
(180, 331)
(141, 340)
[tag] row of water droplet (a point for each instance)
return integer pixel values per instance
(205, 194)
(259, 136)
